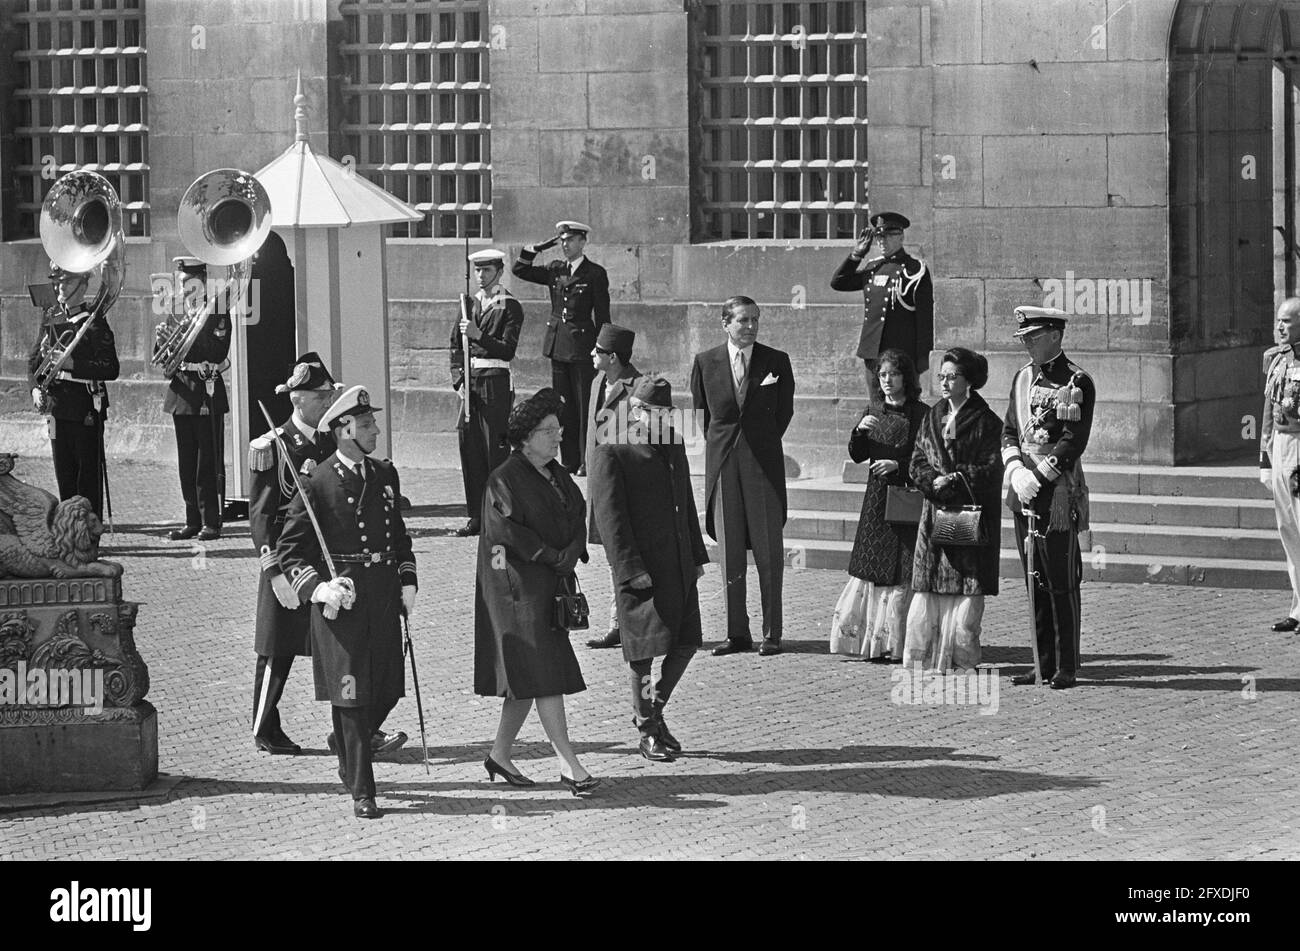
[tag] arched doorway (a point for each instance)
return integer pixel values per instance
(1232, 169)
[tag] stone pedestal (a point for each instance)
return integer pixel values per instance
(72, 686)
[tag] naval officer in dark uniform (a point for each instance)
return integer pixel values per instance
(898, 297)
(356, 655)
(1044, 435)
(579, 308)
(76, 403)
(493, 325)
(196, 400)
(281, 632)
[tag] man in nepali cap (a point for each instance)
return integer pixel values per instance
(615, 377)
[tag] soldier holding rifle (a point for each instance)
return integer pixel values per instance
(491, 322)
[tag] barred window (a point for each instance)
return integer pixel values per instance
(80, 103)
(782, 113)
(415, 101)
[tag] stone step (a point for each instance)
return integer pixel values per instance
(1111, 568)
(828, 495)
(1233, 482)
(1167, 541)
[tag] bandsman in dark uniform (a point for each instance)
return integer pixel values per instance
(282, 623)
(1279, 445)
(579, 307)
(76, 404)
(898, 296)
(1045, 433)
(495, 319)
(357, 655)
(197, 402)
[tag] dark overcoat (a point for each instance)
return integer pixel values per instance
(882, 553)
(768, 409)
(645, 510)
(603, 419)
(279, 631)
(357, 657)
(976, 453)
(519, 653)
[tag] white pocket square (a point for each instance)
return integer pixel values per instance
(769, 379)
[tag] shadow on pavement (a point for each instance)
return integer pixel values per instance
(849, 754)
(941, 781)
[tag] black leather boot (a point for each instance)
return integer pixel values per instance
(652, 745)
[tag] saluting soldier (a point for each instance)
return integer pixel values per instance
(77, 400)
(1044, 435)
(1279, 445)
(282, 623)
(579, 307)
(197, 402)
(493, 325)
(357, 655)
(898, 296)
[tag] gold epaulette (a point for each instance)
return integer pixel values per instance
(261, 453)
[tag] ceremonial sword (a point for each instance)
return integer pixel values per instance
(328, 610)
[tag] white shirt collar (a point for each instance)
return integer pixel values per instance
(308, 432)
(576, 263)
(732, 350)
(350, 463)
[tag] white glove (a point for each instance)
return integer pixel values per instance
(38, 400)
(1266, 478)
(333, 595)
(1024, 484)
(408, 599)
(283, 591)
(329, 594)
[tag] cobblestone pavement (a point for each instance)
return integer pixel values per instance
(1180, 742)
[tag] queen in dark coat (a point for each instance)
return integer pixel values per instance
(533, 534)
(959, 446)
(882, 553)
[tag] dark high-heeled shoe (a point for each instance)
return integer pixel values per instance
(579, 787)
(495, 769)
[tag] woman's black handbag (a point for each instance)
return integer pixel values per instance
(959, 527)
(571, 610)
(903, 505)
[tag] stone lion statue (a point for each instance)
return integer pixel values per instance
(41, 537)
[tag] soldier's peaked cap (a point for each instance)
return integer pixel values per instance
(615, 338)
(354, 401)
(309, 373)
(563, 228)
(890, 219)
(488, 256)
(1029, 319)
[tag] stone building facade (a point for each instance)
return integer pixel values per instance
(1126, 159)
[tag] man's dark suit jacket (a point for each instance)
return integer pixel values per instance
(767, 412)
